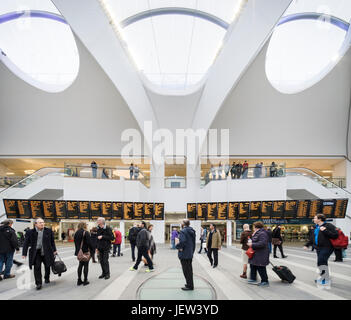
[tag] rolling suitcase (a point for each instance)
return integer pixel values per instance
(284, 273)
(58, 267)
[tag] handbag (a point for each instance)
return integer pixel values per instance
(276, 241)
(83, 257)
(250, 252)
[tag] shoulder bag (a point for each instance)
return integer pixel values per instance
(83, 257)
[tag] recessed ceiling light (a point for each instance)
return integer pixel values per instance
(327, 171)
(9, 173)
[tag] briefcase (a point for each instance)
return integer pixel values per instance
(58, 267)
(284, 273)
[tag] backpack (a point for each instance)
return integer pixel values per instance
(341, 241)
(113, 236)
(133, 233)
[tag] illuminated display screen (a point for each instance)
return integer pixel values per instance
(95, 209)
(11, 208)
(138, 210)
(303, 209)
(48, 209)
(244, 209)
(128, 209)
(340, 208)
(233, 210)
(290, 209)
(36, 209)
(60, 209)
(201, 212)
(212, 211)
(222, 210)
(315, 208)
(159, 211)
(24, 209)
(148, 211)
(72, 209)
(328, 207)
(255, 209)
(83, 210)
(278, 210)
(191, 211)
(106, 209)
(266, 209)
(117, 210)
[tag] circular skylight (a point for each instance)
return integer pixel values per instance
(304, 48)
(39, 47)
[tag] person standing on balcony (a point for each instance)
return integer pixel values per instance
(261, 175)
(131, 171)
(245, 169)
(136, 172)
(226, 169)
(232, 170)
(94, 167)
(273, 170)
(104, 174)
(213, 172)
(220, 170)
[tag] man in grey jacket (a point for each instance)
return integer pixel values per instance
(143, 245)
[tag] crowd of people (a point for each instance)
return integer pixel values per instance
(238, 170)
(256, 245)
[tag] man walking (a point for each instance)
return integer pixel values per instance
(143, 245)
(42, 250)
(214, 243)
(186, 247)
(104, 236)
(8, 245)
(203, 238)
(132, 236)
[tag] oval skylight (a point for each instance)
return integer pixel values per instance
(38, 46)
(173, 43)
(306, 47)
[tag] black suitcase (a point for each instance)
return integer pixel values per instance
(58, 267)
(284, 273)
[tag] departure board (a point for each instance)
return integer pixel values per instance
(278, 209)
(36, 209)
(24, 209)
(303, 209)
(222, 211)
(266, 209)
(290, 209)
(201, 212)
(212, 211)
(128, 209)
(328, 207)
(148, 211)
(60, 209)
(244, 210)
(138, 210)
(340, 208)
(72, 209)
(11, 209)
(117, 210)
(106, 209)
(95, 210)
(159, 211)
(191, 211)
(233, 210)
(48, 209)
(83, 210)
(255, 209)
(315, 207)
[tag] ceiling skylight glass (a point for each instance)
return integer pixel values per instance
(310, 42)
(175, 49)
(38, 45)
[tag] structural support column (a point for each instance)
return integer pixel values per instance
(229, 233)
(122, 230)
(158, 231)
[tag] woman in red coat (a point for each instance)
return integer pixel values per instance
(117, 242)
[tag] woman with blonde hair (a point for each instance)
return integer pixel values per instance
(82, 242)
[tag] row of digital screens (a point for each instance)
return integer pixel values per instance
(59, 209)
(284, 209)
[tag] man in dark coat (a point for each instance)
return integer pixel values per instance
(143, 245)
(132, 236)
(320, 240)
(42, 250)
(186, 247)
(277, 242)
(8, 245)
(260, 259)
(104, 236)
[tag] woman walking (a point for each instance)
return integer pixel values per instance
(82, 242)
(260, 258)
(277, 241)
(245, 236)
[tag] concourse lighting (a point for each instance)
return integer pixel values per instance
(10, 173)
(327, 171)
(29, 171)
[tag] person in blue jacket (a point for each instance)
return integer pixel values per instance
(186, 247)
